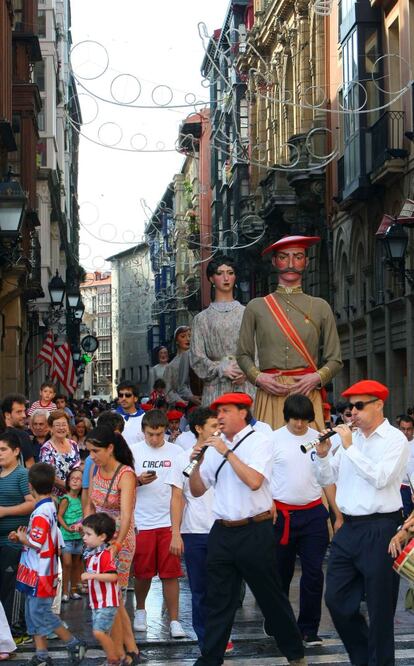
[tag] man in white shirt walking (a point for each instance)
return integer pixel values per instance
(368, 469)
(154, 457)
(241, 543)
(301, 527)
(128, 398)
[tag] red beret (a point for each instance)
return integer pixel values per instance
(232, 399)
(181, 405)
(367, 387)
(146, 406)
(174, 415)
(292, 241)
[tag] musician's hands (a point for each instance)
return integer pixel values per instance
(345, 433)
(176, 545)
(270, 384)
(322, 448)
(195, 451)
(217, 443)
(398, 542)
(305, 384)
(409, 524)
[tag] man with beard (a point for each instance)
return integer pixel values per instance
(288, 327)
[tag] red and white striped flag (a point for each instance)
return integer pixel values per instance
(48, 347)
(63, 368)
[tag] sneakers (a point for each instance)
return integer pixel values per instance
(24, 639)
(75, 595)
(312, 640)
(299, 662)
(229, 647)
(140, 620)
(39, 661)
(176, 630)
(65, 598)
(77, 652)
(267, 630)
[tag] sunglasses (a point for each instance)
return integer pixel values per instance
(349, 414)
(361, 404)
(125, 395)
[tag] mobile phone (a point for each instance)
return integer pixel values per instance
(152, 472)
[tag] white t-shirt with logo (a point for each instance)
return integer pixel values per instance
(198, 511)
(152, 506)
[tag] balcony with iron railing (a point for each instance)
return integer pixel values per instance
(388, 156)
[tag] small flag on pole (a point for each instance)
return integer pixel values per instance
(63, 368)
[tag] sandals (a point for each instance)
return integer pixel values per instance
(136, 658)
(4, 656)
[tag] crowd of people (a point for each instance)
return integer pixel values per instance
(222, 468)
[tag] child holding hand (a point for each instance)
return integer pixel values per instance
(102, 577)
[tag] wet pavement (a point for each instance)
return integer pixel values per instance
(252, 648)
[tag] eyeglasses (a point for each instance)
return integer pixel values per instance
(125, 395)
(361, 404)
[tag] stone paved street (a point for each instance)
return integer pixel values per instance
(251, 647)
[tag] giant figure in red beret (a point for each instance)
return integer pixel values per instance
(288, 328)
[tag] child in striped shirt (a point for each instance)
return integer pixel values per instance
(101, 576)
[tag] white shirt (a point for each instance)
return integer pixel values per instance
(293, 474)
(233, 499)
(186, 440)
(368, 474)
(198, 511)
(263, 427)
(152, 508)
(410, 464)
(132, 431)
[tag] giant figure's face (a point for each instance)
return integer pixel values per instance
(290, 263)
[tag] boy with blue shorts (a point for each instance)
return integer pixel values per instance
(102, 577)
(37, 575)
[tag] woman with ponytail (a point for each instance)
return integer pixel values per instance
(112, 491)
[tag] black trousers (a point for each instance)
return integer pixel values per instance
(359, 563)
(309, 539)
(247, 552)
(12, 601)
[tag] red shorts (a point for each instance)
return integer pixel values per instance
(152, 555)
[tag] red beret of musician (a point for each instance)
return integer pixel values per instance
(174, 415)
(292, 241)
(367, 387)
(232, 399)
(180, 405)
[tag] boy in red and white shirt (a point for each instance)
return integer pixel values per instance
(47, 394)
(37, 575)
(102, 577)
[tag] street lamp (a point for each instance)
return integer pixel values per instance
(12, 208)
(78, 312)
(73, 297)
(395, 240)
(57, 290)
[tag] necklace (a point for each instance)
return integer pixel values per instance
(224, 306)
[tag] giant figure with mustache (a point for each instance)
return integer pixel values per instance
(288, 328)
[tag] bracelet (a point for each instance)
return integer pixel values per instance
(226, 454)
(117, 545)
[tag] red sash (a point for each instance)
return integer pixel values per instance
(289, 330)
(284, 510)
